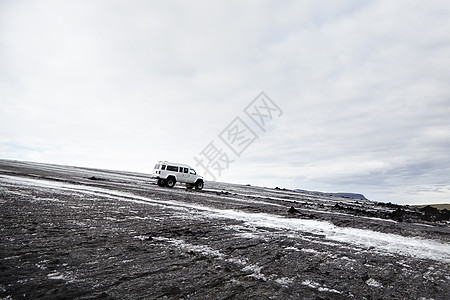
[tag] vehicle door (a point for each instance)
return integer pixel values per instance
(192, 176)
(181, 174)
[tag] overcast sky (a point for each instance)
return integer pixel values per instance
(362, 90)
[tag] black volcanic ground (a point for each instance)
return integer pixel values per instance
(75, 233)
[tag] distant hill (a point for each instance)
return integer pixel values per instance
(438, 206)
(343, 195)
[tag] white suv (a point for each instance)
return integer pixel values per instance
(167, 174)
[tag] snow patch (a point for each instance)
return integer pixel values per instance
(373, 283)
(40, 266)
(142, 237)
(55, 276)
(205, 250)
(284, 281)
(254, 269)
(11, 257)
(312, 251)
(320, 288)
(293, 249)
(256, 272)
(138, 218)
(369, 239)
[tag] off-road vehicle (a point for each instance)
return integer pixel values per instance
(168, 174)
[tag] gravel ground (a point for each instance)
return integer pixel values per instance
(76, 233)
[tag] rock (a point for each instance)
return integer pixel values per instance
(398, 215)
(96, 178)
(428, 210)
(293, 210)
(433, 214)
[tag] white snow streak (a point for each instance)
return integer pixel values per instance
(386, 242)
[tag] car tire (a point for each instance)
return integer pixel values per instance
(189, 186)
(171, 182)
(161, 182)
(199, 185)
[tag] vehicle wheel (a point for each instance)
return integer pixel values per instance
(189, 186)
(171, 182)
(199, 185)
(161, 182)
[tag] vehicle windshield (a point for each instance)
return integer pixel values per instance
(157, 166)
(193, 172)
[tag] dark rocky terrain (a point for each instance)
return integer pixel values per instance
(76, 233)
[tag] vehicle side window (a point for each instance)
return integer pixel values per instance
(193, 172)
(163, 167)
(172, 168)
(185, 170)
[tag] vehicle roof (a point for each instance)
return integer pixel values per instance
(173, 164)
